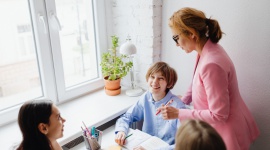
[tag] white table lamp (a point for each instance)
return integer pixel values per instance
(129, 49)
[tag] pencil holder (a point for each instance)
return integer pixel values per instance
(93, 142)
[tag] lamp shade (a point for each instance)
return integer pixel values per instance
(128, 48)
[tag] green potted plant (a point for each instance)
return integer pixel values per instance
(114, 68)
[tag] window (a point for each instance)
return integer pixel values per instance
(49, 49)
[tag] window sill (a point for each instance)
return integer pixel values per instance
(93, 109)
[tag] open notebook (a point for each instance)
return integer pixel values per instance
(143, 139)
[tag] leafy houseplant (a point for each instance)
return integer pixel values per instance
(112, 65)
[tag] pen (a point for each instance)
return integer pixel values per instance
(82, 128)
(84, 132)
(86, 128)
(168, 103)
(128, 136)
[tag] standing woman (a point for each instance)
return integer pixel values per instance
(41, 125)
(214, 90)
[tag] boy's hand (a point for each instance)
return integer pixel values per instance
(120, 138)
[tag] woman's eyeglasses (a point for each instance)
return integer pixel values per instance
(175, 38)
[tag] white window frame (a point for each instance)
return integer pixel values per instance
(53, 81)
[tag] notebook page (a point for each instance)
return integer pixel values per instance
(153, 143)
(136, 139)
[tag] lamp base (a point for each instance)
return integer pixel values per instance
(134, 92)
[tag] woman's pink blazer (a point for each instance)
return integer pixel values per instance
(216, 99)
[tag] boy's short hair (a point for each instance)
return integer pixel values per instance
(168, 72)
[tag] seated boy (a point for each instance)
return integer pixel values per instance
(160, 78)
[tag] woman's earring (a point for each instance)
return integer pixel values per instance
(207, 32)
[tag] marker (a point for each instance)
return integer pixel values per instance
(128, 136)
(93, 131)
(168, 103)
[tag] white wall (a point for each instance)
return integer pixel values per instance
(141, 20)
(247, 41)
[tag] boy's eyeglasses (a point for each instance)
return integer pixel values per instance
(175, 38)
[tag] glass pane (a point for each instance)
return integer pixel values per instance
(19, 73)
(77, 41)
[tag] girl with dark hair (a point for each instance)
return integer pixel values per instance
(214, 90)
(41, 125)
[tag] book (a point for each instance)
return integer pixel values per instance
(143, 139)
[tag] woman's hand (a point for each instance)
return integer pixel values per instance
(169, 112)
(120, 138)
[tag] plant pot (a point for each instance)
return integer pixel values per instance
(113, 92)
(112, 85)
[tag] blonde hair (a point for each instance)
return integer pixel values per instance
(198, 135)
(168, 72)
(188, 21)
